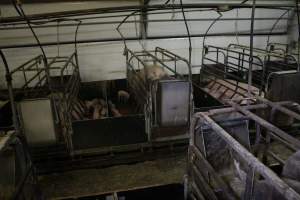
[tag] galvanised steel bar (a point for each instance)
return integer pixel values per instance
(280, 108)
(229, 194)
(252, 161)
(274, 131)
(250, 107)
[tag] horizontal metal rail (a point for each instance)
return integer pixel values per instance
(235, 60)
(207, 121)
(34, 73)
(252, 161)
(28, 64)
(273, 129)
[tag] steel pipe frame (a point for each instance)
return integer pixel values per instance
(236, 47)
(268, 53)
(32, 65)
(250, 62)
(279, 107)
(252, 161)
(194, 150)
(225, 52)
(293, 55)
(147, 86)
(65, 103)
(274, 131)
(70, 92)
(248, 107)
(246, 111)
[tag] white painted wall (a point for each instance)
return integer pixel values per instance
(103, 61)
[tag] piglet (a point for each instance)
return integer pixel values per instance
(97, 111)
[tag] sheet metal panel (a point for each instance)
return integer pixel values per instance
(284, 87)
(173, 103)
(37, 119)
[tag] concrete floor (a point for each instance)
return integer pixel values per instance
(123, 177)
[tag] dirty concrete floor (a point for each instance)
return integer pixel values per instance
(122, 177)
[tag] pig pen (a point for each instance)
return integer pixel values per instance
(71, 135)
(161, 81)
(109, 139)
(119, 121)
(224, 163)
(224, 72)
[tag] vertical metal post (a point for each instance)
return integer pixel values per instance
(144, 24)
(248, 194)
(10, 92)
(251, 48)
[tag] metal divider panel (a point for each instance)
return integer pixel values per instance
(173, 102)
(38, 123)
(285, 86)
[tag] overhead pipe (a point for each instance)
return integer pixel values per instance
(113, 16)
(141, 7)
(99, 40)
(14, 27)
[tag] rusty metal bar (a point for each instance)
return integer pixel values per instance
(228, 192)
(252, 161)
(274, 130)
(249, 107)
(280, 108)
(36, 59)
(276, 157)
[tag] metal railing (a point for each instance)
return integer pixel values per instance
(39, 81)
(34, 74)
(228, 128)
(276, 57)
(231, 65)
(143, 88)
(67, 70)
(228, 69)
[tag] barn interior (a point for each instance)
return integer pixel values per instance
(149, 99)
